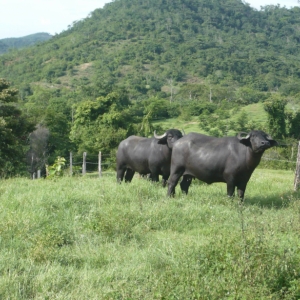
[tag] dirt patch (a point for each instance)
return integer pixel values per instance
(197, 80)
(84, 66)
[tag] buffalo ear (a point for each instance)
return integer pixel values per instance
(244, 140)
(162, 141)
(272, 142)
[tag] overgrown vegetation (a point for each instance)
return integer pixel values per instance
(89, 238)
(57, 169)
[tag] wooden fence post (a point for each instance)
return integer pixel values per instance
(71, 164)
(99, 164)
(297, 173)
(38, 174)
(84, 164)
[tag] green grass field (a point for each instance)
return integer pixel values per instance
(188, 126)
(89, 238)
(255, 112)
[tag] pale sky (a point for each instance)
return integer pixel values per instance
(19, 18)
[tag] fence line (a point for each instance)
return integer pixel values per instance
(289, 161)
(71, 164)
(100, 163)
(84, 163)
(297, 173)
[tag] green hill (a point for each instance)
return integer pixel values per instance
(157, 46)
(22, 42)
(254, 112)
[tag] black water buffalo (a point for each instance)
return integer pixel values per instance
(146, 156)
(228, 159)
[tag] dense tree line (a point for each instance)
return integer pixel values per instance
(14, 132)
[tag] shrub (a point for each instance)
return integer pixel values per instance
(56, 170)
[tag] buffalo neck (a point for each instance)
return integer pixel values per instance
(252, 158)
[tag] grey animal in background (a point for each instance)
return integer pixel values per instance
(227, 159)
(146, 156)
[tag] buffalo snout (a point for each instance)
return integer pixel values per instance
(265, 143)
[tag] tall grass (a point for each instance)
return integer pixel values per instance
(89, 238)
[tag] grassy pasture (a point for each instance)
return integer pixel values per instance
(89, 238)
(254, 112)
(188, 126)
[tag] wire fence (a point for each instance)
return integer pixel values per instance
(86, 163)
(283, 157)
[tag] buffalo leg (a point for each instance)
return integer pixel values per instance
(120, 174)
(155, 178)
(230, 189)
(129, 175)
(154, 175)
(146, 176)
(185, 183)
(173, 180)
(165, 180)
(241, 191)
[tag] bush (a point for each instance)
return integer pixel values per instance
(57, 169)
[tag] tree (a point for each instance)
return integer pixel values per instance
(146, 126)
(101, 124)
(275, 107)
(293, 124)
(14, 132)
(58, 124)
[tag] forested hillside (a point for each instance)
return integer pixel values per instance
(183, 40)
(22, 42)
(135, 61)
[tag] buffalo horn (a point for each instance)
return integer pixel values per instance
(159, 137)
(183, 133)
(240, 137)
